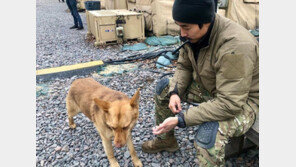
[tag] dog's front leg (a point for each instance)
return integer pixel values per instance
(109, 151)
(137, 162)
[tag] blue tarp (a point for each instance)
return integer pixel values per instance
(41, 90)
(163, 40)
(110, 70)
(135, 47)
(153, 41)
(165, 61)
(255, 32)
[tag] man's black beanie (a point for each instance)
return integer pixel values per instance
(194, 11)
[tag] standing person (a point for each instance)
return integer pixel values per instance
(72, 5)
(219, 69)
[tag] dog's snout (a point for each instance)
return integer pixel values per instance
(118, 145)
(119, 139)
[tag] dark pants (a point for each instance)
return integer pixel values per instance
(72, 5)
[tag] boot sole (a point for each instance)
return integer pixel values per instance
(159, 150)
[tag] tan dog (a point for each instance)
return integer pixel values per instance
(112, 112)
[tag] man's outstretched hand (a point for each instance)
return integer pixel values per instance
(175, 104)
(166, 126)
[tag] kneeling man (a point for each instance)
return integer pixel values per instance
(219, 69)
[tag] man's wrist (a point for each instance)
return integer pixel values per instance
(181, 120)
(173, 93)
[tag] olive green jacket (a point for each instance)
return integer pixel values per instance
(228, 69)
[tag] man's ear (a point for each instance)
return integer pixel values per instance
(135, 99)
(104, 105)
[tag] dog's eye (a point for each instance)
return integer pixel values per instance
(125, 128)
(110, 127)
(113, 128)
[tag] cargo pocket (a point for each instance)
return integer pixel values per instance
(195, 94)
(244, 120)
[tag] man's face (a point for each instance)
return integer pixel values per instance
(192, 31)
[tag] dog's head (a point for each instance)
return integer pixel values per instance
(120, 116)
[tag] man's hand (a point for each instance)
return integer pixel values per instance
(175, 104)
(166, 126)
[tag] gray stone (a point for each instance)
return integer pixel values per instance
(196, 161)
(86, 148)
(59, 157)
(126, 154)
(186, 164)
(155, 165)
(65, 148)
(191, 137)
(54, 163)
(42, 162)
(76, 163)
(158, 156)
(58, 148)
(53, 145)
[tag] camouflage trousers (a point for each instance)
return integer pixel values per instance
(234, 127)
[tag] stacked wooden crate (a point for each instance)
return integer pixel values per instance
(157, 14)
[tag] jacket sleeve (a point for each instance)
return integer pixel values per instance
(183, 73)
(234, 67)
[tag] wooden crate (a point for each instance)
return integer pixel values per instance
(134, 28)
(102, 25)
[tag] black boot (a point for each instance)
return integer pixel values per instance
(73, 27)
(79, 28)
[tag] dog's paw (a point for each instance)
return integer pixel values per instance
(72, 126)
(138, 163)
(115, 164)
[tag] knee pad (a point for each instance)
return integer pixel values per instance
(206, 134)
(161, 85)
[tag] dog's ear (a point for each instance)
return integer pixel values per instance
(104, 105)
(135, 99)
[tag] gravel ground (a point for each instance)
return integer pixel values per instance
(56, 144)
(56, 44)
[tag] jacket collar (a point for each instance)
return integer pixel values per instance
(215, 27)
